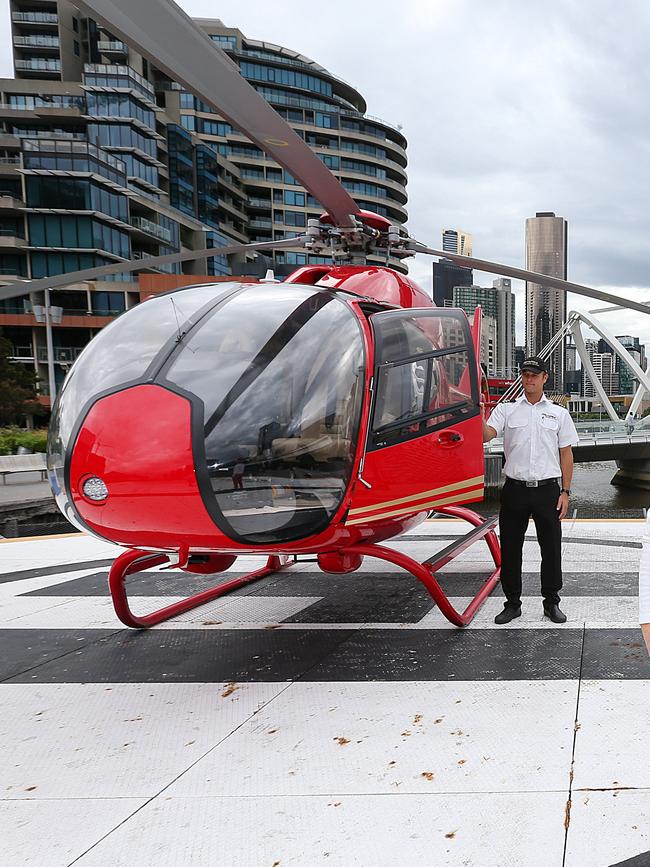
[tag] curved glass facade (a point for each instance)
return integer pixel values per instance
(366, 154)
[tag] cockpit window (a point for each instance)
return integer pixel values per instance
(426, 374)
(279, 372)
(121, 353)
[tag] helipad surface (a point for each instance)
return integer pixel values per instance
(320, 719)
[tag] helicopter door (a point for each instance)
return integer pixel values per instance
(425, 443)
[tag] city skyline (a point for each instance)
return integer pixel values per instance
(572, 159)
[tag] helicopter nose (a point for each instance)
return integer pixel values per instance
(132, 472)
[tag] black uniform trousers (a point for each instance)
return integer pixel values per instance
(518, 505)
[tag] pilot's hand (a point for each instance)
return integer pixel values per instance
(562, 505)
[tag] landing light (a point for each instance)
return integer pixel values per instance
(95, 489)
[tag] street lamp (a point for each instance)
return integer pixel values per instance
(48, 314)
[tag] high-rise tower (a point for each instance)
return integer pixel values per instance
(457, 241)
(546, 253)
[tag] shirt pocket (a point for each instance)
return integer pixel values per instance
(517, 421)
(549, 422)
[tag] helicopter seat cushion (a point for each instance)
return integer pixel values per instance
(320, 442)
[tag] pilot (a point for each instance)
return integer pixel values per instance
(537, 440)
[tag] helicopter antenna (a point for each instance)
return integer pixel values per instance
(180, 334)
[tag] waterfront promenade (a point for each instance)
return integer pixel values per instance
(322, 719)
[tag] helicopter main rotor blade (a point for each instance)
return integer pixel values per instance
(168, 37)
(15, 290)
(533, 277)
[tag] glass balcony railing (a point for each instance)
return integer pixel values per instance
(39, 64)
(21, 351)
(35, 17)
(37, 41)
(62, 354)
(109, 46)
(53, 146)
(152, 228)
(118, 76)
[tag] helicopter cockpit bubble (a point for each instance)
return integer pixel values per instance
(286, 399)
(123, 352)
(274, 374)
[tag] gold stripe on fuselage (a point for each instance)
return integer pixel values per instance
(419, 507)
(465, 483)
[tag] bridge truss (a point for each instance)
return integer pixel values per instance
(573, 326)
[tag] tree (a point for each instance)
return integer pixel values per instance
(18, 395)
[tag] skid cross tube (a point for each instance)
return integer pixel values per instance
(425, 571)
(133, 561)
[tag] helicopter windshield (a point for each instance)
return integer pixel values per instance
(119, 355)
(279, 372)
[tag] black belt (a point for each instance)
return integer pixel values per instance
(536, 484)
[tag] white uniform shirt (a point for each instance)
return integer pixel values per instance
(533, 433)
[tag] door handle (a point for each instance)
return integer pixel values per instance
(449, 439)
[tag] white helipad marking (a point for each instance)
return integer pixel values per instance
(485, 786)
(612, 749)
(37, 554)
(249, 612)
(26, 585)
(51, 833)
(388, 737)
(114, 740)
(483, 830)
(594, 612)
(626, 818)
(96, 612)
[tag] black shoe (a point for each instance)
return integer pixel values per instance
(509, 613)
(554, 614)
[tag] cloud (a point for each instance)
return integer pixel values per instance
(508, 108)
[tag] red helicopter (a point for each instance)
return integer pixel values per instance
(320, 416)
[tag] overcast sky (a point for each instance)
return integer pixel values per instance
(508, 108)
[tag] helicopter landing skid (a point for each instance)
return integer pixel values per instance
(425, 572)
(133, 561)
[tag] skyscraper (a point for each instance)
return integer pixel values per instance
(457, 241)
(505, 327)
(497, 303)
(446, 275)
(592, 350)
(546, 253)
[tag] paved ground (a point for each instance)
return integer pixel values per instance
(24, 487)
(318, 719)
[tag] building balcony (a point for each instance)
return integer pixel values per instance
(8, 165)
(152, 228)
(266, 204)
(10, 204)
(38, 64)
(11, 242)
(234, 208)
(62, 354)
(45, 42)
(112, 47)
(21, 353)
(42, 18)
(231, 231)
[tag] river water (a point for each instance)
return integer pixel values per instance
(593, 495)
